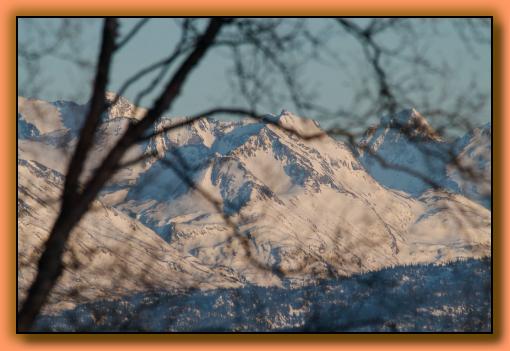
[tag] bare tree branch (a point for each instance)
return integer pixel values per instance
(266, 41)
(50, 265)
(132, 33)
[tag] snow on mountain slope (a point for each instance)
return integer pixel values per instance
(68, 116)
(407, 140)
(474, 152)
(298, 202)
(108, 255)
(449, 228)
(123, 107)
(307, 207)
(41, 114)
(48, 132)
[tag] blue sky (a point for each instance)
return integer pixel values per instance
(209, 84)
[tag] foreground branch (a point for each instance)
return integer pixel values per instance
(50, 264)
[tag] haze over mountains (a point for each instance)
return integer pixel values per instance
(314, 208)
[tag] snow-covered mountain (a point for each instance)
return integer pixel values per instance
(309, 208)
(67, 116)
(473, 174)
(48, 132)
(108, 254)
(416, 158)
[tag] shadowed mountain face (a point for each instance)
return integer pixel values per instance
(407, 140)
(474, 153)
(308, 208)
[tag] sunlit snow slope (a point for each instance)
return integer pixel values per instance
(308, 208)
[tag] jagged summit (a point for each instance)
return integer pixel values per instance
(296, 202)
(404, 116)
(301, 125)
(407, 140)
(67, 116)
(410, 122)
(123, 107)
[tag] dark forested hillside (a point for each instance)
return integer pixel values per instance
(422, 298)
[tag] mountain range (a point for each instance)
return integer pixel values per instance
(314, 209)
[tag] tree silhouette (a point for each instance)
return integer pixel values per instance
(265, 40)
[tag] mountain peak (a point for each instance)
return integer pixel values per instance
(122, 107)
(406, 115)
(111, 95)
(410, 122)
(303, 126)
(298, 203)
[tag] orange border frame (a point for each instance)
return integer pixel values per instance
(11, 8)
